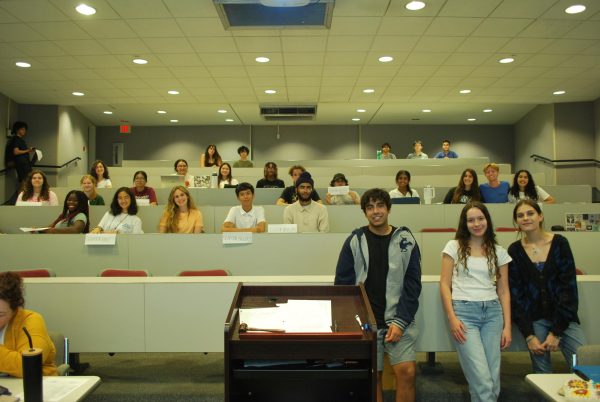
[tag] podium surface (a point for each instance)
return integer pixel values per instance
(326, 366)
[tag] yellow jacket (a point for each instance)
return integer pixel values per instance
(15, 342)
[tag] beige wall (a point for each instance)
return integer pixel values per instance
(597, 138)
(72, 142)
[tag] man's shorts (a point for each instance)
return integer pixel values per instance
(398, 352)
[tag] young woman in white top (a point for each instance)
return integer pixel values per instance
(100, 173)
(403, 183)
(476, 298)
(122, 215)
(181, 168)
(524, 188)
(36, 190)
(225, 176)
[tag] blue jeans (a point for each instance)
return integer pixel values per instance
(479, 356)
(570, 340)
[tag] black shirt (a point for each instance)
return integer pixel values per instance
(289, 195)
(464, 198)
(376, 282)
(264, 183)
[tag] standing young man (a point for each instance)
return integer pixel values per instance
(310, 216)
(387, 260)
(245, 217)
(18, 156)
(445, 153)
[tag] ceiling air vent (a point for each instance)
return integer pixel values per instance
(288, 113)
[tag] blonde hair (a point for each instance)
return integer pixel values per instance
(172, 209)
(491, 165)
(94, 181)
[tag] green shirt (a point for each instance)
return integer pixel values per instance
(97, 201)
(242, 164)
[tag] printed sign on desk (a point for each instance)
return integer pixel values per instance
(103, 239)
(582, 222)
(237, 237)
(282, 228)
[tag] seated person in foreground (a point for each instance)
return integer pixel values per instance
(13, 317)
(403, 183)
(310, 216)
(270, 179)
(466, 191)
(350, 198)
(289, 195)
(75, 217)
(37, 189)
(494, 191)
(243, 152)
(141, 191)
(181, 214)
(122, 216)
(524, 188)
(245, 217)
(418, 151)
(88, 185)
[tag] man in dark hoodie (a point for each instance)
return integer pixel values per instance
(387, 260)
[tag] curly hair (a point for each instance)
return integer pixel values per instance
(82, 207)
(93, 170)
(270, 165)
(172, 209)
(28, 187)
(529, 190)
(463, 236)
(460, 189)
(11, 289)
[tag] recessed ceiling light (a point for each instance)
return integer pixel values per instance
(426, 110)
(22, 64)
(173, 92)
(559, 92)
(368, 90)
(221, 111)
(415, 5)
(78, 93)
(471, 119)
(355, 119)
(140, 61)
(174, 121)
(575, 9)
(161, 111)
(465, 91)
(107, 112)
(361, 110)
(229, 120)
(270, 91)
(85, 9)
(487, 110)
(506, 60)
(262, 59)
(386, 59)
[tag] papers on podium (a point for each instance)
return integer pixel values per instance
(305, 316)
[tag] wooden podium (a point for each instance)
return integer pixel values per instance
(340, 366)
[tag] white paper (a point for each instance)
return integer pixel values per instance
(28, 230)
(282, 228)
(338, 190)
(39, 154)
(142, 202)
(56, 389)
(237, 237)
(265, 318)
(310, 316)
(30, 203)
(104, 239)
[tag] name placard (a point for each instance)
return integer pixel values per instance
(100, 239)
(142, 202)
(237, 237)
(282, 228)
(338, 190)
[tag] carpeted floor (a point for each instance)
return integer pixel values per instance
(177, 377)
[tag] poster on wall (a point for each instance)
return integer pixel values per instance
(582, 222)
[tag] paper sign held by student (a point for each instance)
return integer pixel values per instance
(338, 190)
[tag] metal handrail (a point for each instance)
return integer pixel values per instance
(77, 158)
(537, 157)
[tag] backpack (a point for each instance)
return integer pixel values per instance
(9, 156)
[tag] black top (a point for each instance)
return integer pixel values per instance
(464, 198)
(376, 282)
(289, 195)
(264, 183)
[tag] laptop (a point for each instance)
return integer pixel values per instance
(406, 200)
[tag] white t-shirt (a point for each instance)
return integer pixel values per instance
(233, 182)
(542, 195)
(397, 194)
(474, 284)
(104, 183)
(123, 223)
(245, 220)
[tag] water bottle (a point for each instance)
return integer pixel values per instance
(379, 154)
(214, 182)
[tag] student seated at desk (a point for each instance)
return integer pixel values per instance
(494, 191)
(140, 190)
(121, 218)
(100, 173)
(37, 190)
(466, 191)
(13, 318)
(308, 215)
(181, 168)
(351, 198)
(88, 185)
(225, 176)
(245, 217)
(243, 162)
(75, 217)
(524, 188)
(403, 183)
(181, 214)
(289, 195)
(210, 157)
(270, 179)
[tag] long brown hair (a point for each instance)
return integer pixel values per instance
(489, 240)
(460, 189)
(172, 210)
(28, 187)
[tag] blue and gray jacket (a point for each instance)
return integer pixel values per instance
(404, 275)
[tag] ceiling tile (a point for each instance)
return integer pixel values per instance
(196, 82)
(99, 61)
(548, 28)
(417, 71)
(379, 71)
(213, 44)
(394, 43)
(169, 45)
(545, 60)
(339, 81)
(582, 61)
(202, 27)
(129, 83)
(482, 44)
(361, 8)
(221, 59)
(404, 25)
(258, 44)
(181, 60)
(191, 8)
(310, 81)
(155, 28)
(334, 94)
(373, 81)
(39, 48)
(521, 9)
(426, 59)
(569, 46)
(268, 82)
(348, 43)
(341, 71)
(233, 72)
(140, 8)
(304, 59)
(61, 62)
(302, 71)
(303, 94)
(265, 71)
(355, 26)
(525, 45)
(345, 58)
(502, 27)
(453, 26)
(31, 11)
(468, 8)
(405, 81)
(59, 30)
(303, 43)
(18, 33)
(123, 73)
(85, 46)
(107, 29)
(228, 82)
(585, 30)
(466, 59)
(249, 59)
(153, 73)
(439, 43)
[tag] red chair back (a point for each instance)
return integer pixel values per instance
(579, 272)
(438, 230)
(506, 229)
(35, 273)
(207, 272)
(110, 272)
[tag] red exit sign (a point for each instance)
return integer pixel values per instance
(125, 129)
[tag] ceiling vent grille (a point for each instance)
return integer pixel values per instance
(288, 113)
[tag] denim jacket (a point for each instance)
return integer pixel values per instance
(403, 285)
